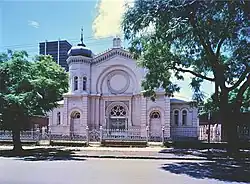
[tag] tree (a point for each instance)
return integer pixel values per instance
(28, 88)
(208, 39)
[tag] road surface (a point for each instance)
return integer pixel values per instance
(102, 171)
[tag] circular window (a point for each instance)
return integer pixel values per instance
(118, 82)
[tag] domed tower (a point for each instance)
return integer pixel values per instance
(79, 68)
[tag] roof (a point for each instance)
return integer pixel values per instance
(175, 100)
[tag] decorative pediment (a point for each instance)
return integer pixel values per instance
(110, 54)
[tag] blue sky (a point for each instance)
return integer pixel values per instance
(23, 24)
(26, 23)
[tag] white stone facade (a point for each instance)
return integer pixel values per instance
(105, 90)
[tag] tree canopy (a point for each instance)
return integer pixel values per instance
(28, 88)
(208, 39)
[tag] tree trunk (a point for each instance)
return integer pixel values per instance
(229, 131)
(17, 141)
(232, 135)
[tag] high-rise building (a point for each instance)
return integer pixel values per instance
(57, 49)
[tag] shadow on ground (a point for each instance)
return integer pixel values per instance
(39, 154)
(221, 170)
(209, 154)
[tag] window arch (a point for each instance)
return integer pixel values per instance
(75, 83)
(75, 115)
(184, 117)
(118, 111)
(84, 83)
(155, 115)
(176, 117)
(58, 116)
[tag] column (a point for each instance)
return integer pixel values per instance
(84, 118)
(130, 113)
(97, 114)
(102, 109)
(92, 111)
(143, 116)
(167, 117)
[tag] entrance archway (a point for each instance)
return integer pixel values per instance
(75, 123)
(155, 125)
(118, 117)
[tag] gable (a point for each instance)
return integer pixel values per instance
(109, 54)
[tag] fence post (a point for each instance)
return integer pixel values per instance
(38, 134)
(147, 133)
(87, 132)
(101, 133)
(162, 135)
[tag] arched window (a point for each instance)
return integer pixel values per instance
(84, 83)
(75, 115)
(155, 115)
(184, 117)
(75, 83)
(176, 117)
(118, 111)
(58, 118)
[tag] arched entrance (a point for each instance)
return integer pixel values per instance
(118, 117)
(75, 123)
(155, 126)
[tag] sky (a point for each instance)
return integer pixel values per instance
(23, 24)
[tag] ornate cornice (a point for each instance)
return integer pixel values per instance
(78, 59)
(108, 54)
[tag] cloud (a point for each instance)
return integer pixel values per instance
(33, 23)
(108, 20)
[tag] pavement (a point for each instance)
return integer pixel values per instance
(112, 171)
(130, 153)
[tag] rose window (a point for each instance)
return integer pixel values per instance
(118, 111)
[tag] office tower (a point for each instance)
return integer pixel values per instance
(57, 49)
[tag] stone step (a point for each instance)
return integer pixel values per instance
(94, 144)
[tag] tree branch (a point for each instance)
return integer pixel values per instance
(219, 46)
(242, 89)
(194, 73)
(203, 43)
(240, 80)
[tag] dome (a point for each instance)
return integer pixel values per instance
(80, 50)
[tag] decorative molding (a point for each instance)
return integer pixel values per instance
(108, 54)
(115, 73)
(106, 71)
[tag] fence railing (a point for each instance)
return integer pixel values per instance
(122, 134)
(24, 135)
(102, 134)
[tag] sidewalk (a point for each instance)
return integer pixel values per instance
(125, 153)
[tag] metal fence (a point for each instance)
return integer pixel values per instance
(102, 134)
(122, 134)
(24, 135)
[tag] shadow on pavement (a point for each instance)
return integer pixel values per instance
(39, 154)
(212, 153)
(221, 170)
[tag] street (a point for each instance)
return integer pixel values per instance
(103, 171)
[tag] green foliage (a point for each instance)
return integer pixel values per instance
(209, 39)
(28, 88)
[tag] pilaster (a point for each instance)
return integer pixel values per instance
(84, 122)
(97, 114)
(143, 116)
(130, 113)
(167, 117)
(65, 112)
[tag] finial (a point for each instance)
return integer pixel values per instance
(82, 35)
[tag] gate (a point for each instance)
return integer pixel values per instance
(94, 135)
